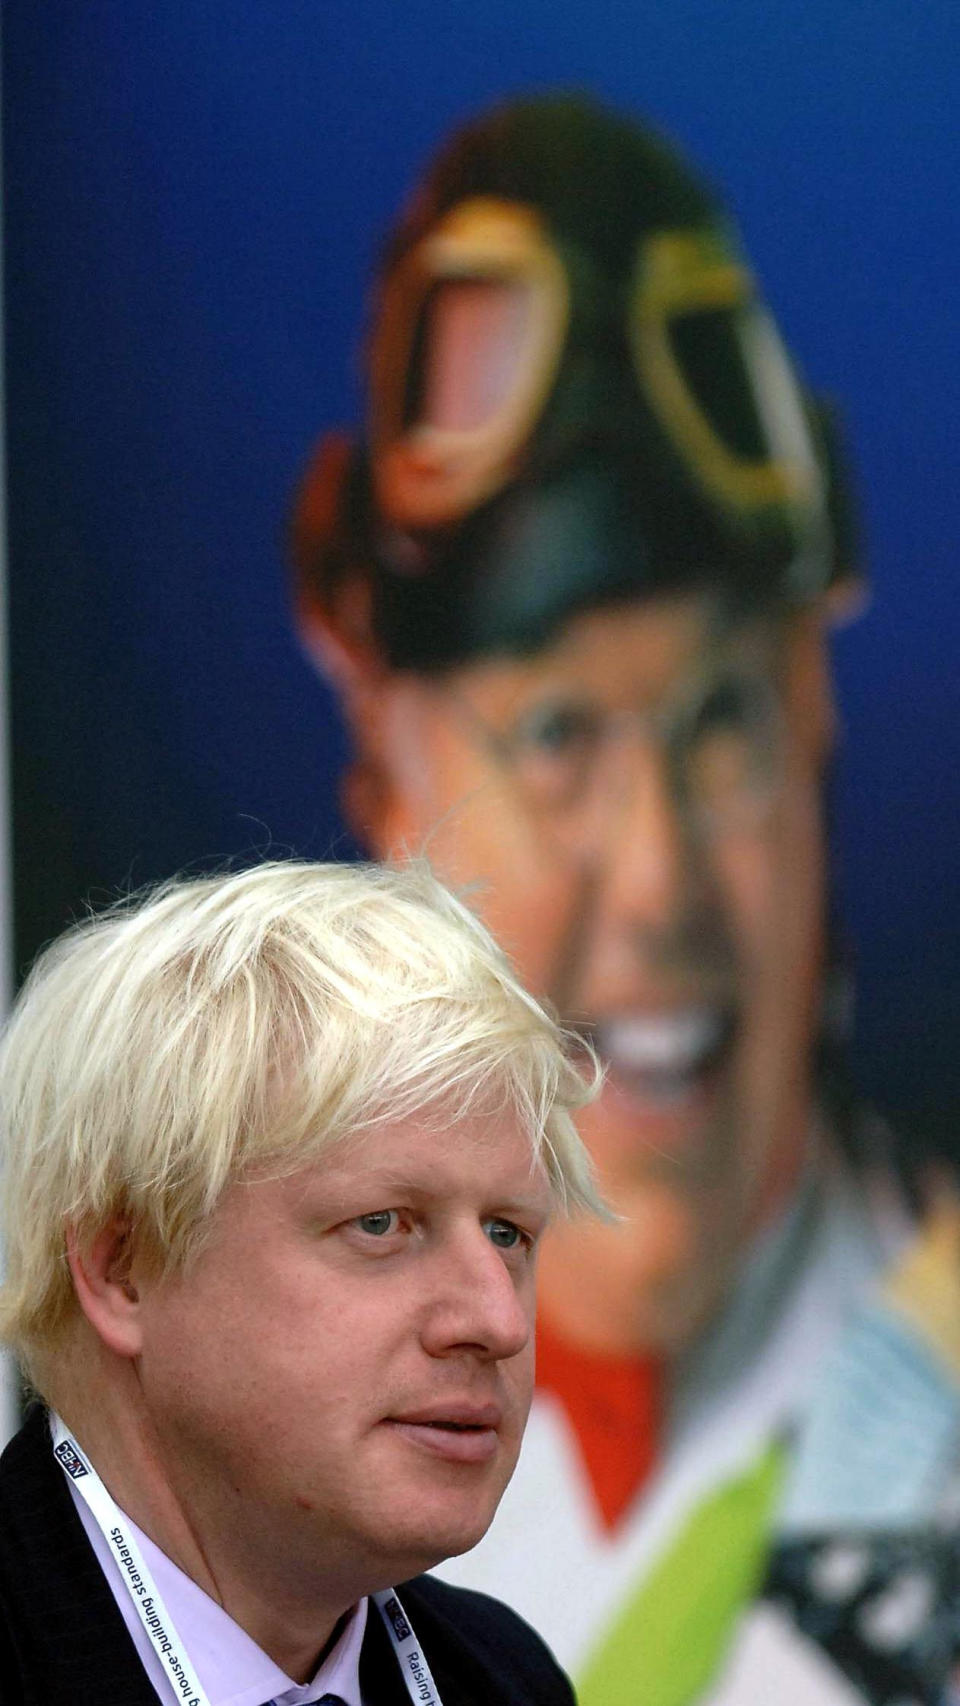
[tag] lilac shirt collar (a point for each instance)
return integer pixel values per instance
(233, 1669)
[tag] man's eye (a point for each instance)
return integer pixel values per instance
(554, 729)
(732, 745)
(736, 705)
(506, 1236)
(379, 1223)
(551, 748)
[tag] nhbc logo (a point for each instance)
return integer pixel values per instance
(398, 1622)
(72, 1461)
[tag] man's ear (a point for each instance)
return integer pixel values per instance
(365, 800)
(809, 688)
(387, 792)
(379, 810)
(102, 1270)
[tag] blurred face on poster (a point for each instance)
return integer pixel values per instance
(573, 583)
(636, 811)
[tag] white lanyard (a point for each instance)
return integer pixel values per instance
(153, 1614)
(416, 1672)
(136, 1574)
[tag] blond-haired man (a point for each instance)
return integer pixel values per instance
(280, 1149)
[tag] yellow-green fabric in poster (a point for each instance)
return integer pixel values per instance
(670, 1639)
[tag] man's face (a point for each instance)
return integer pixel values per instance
(339, 1384)
(640, 804)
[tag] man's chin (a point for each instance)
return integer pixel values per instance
(424, 1547)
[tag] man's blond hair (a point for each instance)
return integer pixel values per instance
(227, 1024)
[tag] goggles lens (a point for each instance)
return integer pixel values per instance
(470, 334)
(468, 349)
(710, 362)
(708, 350)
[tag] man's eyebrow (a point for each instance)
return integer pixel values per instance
(385, 1181)
(541, 1207)
(738, 631)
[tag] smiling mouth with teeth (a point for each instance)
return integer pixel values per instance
(665, 1057)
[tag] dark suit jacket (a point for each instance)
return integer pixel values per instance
(63, 1641)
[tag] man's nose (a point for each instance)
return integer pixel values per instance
(645, 856)
(476, 1303)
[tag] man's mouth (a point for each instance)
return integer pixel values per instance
(665, 1057)
(461, 1433)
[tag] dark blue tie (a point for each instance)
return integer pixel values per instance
(324, 1700)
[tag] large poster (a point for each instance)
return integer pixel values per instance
(191, 219)
(633, 771)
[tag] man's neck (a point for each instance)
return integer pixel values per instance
(287, 1611)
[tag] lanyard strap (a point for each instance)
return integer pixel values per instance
(134, 1571)
(148, 1602)
(416, 1672)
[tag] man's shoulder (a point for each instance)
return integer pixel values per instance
(28, 1477)
(485, 1641)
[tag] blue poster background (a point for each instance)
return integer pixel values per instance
(193, 198)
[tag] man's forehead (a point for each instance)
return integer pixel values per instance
(434, 1154)
(646, 644)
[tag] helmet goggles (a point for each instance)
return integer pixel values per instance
(576, 396)
(474, 336)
